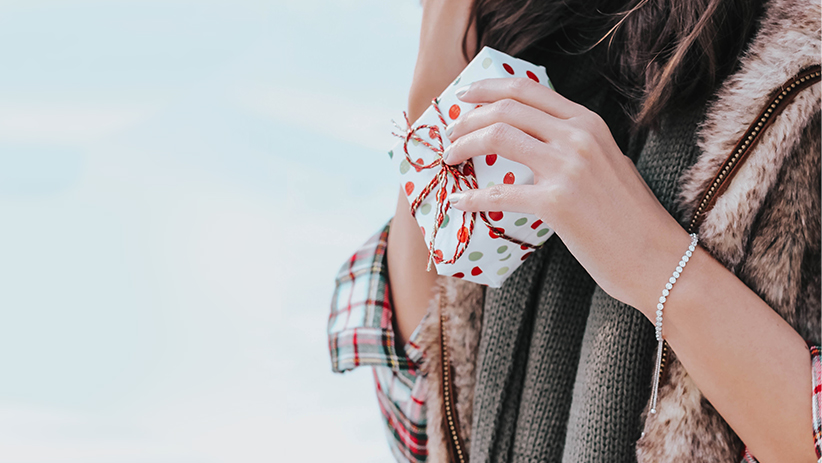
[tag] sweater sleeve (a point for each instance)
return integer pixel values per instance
(816, 403)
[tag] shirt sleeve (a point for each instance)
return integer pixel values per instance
(360, 328)
(401, 397)
(816, 403)
(360, 332)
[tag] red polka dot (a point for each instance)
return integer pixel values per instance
(536, 224)
(417, 168)
(496, 232)
(508, 179)
(409, 188)
(467, 169)
(437, 256)
(433, 133)
(462, 235)
(422, 229)
(495, 216)
(525, 256)
(491, 159)
(524, 247)
(454, 112)
(532, 76)
(458, 275)
(508, 68)
(478, 106)
(476, 271)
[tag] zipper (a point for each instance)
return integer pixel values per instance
(450, 416)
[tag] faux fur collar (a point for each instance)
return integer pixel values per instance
(788, 41)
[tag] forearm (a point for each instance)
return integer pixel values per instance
(747, 361)
(411, 285)
(440, 58)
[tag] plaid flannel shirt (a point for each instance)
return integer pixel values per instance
(360, 332)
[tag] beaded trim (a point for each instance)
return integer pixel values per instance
(661, 305)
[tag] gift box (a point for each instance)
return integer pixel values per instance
(484, 247)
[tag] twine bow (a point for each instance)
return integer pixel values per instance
(464, 179)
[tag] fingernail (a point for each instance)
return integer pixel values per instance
(455, 198)
(446, 154)
(462, 91)
(449, 130)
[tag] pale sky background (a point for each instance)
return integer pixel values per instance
(179, 182)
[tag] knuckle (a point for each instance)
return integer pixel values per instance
(521, 86)
(506, 107)
(498, 133)
(581, 140)
(592, 121)
(561, 193)
(574, 171)
(496, 195)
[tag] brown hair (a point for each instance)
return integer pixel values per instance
(661, 52)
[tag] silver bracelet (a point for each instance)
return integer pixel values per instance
(660, 341)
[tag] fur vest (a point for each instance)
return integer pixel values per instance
(765, 228)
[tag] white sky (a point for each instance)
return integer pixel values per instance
(179, 183)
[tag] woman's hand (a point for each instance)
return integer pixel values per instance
(584, 187)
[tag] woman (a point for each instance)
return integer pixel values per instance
(652, 97)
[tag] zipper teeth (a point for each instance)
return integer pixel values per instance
(752, 133)
(446, 393)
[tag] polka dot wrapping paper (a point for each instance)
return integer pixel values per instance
(489, 248)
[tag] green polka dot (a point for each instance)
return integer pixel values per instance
(490, 184)
(425, 209)
(415, 142)
(486, 63)
(391, 154)
(475, 256)
(502, 271)
(521, 221)
(458, 80)
(445, 221)
(502, 249)
(505, 258)
(404, 166)
(543, 232)
(542, 242)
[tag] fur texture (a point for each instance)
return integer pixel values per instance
(461, 302)
(765, 227)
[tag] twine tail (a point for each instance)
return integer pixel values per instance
(431, 245)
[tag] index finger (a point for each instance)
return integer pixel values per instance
(525, 91)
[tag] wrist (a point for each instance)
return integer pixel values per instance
(664, 255)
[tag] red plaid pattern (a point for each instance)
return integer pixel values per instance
(360, 332)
